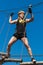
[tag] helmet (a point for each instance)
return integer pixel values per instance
(21, 12)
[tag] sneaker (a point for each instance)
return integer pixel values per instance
(6, 56)
(33, 60)
(3, 57)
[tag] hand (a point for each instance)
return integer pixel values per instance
(12, 14)
(29, 9)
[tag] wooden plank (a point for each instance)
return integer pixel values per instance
(30, 63)
(11, 60)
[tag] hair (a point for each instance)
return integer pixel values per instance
(21, 12)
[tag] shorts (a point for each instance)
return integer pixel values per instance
(19, 36)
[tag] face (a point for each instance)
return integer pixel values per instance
(21, 15)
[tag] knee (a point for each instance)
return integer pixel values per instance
(9, 44)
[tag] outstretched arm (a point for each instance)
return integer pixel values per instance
(12, 21)
(30, 19)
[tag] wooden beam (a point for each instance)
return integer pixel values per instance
(30, 63)
(11, 60)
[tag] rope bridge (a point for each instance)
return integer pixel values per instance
(18, 60)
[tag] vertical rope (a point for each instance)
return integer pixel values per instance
(3, 24)
(22, 51)
(6, 38)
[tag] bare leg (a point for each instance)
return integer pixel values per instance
(25, 41)
(12, 40)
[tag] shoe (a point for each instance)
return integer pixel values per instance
(3, 57)
(33, 60)
(6, 56)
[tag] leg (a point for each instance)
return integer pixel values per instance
(12, 40)
(25, 41)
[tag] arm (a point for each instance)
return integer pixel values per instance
(30, 11)
(12, 21)
(30, 19)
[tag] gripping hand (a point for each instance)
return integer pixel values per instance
(12, 14)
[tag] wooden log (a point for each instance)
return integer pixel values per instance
(9, 59)
(12, 60)
(31, 63)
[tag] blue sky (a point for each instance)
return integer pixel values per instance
(34, 29)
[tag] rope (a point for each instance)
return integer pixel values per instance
(35, 55)
(21, 51)
(34, 5)
(6, 37)
(12, 9)
(39, 12)
(3, 24)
